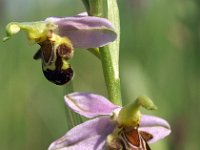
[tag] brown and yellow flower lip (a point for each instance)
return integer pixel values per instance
(128, 139)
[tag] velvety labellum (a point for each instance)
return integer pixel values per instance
(131, 139)
(59, 76)
(135, 139)
(54, 62)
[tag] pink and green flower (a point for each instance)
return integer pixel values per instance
(111, 126)
(58, 37)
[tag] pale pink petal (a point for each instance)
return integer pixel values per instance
(90, 135)
(89, 105)
(157, 127)
(85, 31)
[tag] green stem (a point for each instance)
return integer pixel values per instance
(95, 52)
(96, 8)
(73, 118)
(86, 4)
(109, 54)
(112, 81)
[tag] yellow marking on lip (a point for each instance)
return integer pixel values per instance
(65, 65)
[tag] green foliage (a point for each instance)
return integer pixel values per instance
(159, 57)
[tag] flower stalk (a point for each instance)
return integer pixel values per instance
(73, 118)
(109, 54)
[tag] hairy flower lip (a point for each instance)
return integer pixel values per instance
(92, 134)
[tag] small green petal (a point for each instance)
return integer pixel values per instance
(145, 102)
(130, 114)
(37, 31)
(11, 29)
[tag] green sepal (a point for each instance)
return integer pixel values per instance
(130, 114)
(37, 31)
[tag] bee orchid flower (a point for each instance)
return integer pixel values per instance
(111, 126)
(58, 37)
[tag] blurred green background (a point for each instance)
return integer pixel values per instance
(159, 57)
